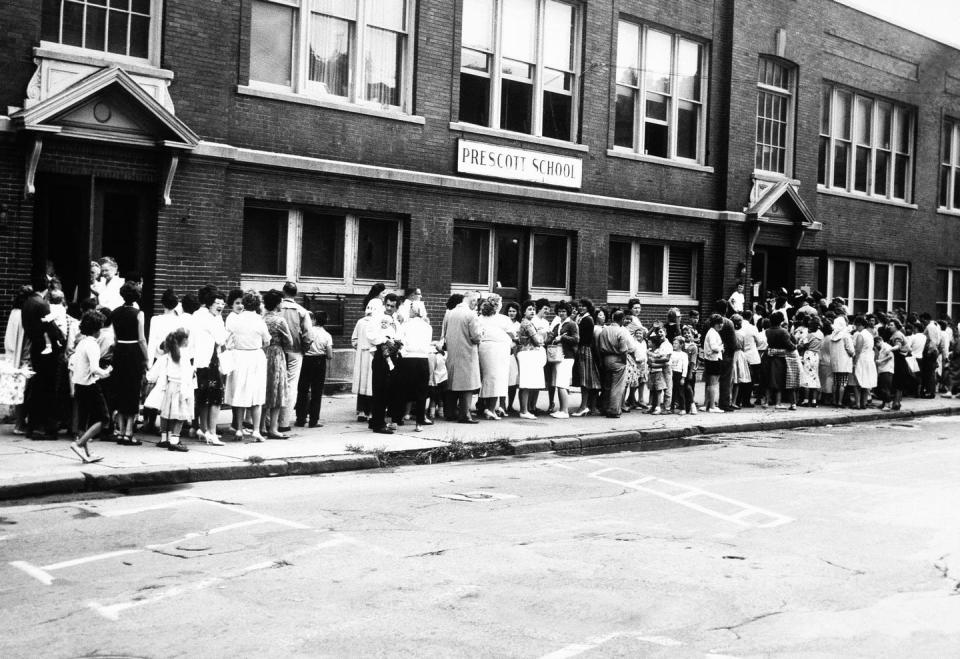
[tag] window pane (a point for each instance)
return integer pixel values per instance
(841, 279)
(377, 249)
(822, 160)
(474, 99)
(881, 282)
(96, 37)
(862, 166)
(687, 125)
(117, 32)
(623, 127)
(271, 43)
(508, 255)
(549, 261)
(322, 247)
(478, 24)
(340, 8)
(139, 36)
(655, 140)
(903, 131)
(946, 142)
(516, 105)
(73, 24)
(883, 172)
(861, 280)
(471, 256)
(519, 29)
(956, 290)
(841, 115)
(884, 113)
(558, 32)
(389, 14)
(899, 282)
(825, 96)
(330, 54)
(942, 279)
(556, 115)
(651, 269)
(264, 249)
(471, 59)
(840, 165)
(688, 70)
(900, 177)
(618, 268)
(628, 53)
(50, 21)
(864, 107)
(383, 63)
(956, 189)
(656, 107)
(680, 274)
(658, 54)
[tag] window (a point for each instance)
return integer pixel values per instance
(948, 292)
(866, 145)
(342, 252)
(492, 258)
(656, 273)
(357, 51)
(119, 27)
(868, 286)
(950, 166)
(775, 84)
(519, 66)
(661, 86)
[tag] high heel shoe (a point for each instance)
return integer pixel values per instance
(211, 439)
(487, 414)
(580, 413)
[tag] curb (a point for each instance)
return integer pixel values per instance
(638, 440)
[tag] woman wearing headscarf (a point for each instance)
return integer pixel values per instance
(841, 357)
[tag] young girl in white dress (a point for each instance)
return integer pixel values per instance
(176, 377)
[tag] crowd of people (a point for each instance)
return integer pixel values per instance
(99, 368)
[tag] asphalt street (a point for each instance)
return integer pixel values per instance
(828, 542)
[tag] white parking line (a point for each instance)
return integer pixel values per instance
(686, 495)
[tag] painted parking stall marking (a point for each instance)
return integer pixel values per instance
(716, 505)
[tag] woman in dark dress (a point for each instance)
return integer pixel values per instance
(586, 375)
(129, 362)
(779, 347)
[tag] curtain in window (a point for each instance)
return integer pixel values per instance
(330, 53)
(383, 63)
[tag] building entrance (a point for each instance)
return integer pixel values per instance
(772, 268)
(81, 218)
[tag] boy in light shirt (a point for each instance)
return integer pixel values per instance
(85, 376)
(679, 365)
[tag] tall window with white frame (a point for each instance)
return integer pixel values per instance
(657, 272)
(869, 286)
(335, 251)
(866, 145)
(948, 292)
(950, 166)
(775, 117)
(354, 51)
(118, 27)
(519, 66)
(661, 88)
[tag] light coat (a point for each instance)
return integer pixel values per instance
(462, 335)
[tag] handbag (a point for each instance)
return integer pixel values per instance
(554, 354)
(912, 364)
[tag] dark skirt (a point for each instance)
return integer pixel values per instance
(903, 378)
(126, 378)
(210, 383)
(777, 379)
(586, 375)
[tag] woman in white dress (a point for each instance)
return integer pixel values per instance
(864, 359)
(512, 311)
(363, 358)
(494, 352)
(246, 387)
(531, 358)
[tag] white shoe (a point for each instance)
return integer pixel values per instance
(715, 410)
(527, 415)
(693, 408)
(560, 415)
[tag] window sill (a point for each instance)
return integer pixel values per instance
(774, 177)
(520, 137)
(616, 297)
(343, 106)
(98, 58)
(955, 212)
(630, 155)
(862, 197)
(306, 285)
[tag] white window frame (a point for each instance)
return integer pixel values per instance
(153, 47)
(640, 105)
(496, 75)
(350, 283)
(951, 136)
(953, 281)
(646, 297)
(898, 113)
(301, 85)
(872, 293)
(788, 95)
(491, 283)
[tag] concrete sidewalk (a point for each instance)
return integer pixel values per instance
(31, 468)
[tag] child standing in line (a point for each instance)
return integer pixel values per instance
(437, 360)
(175, 375)
(885, 369)
(658, 363)
(679, 366)
(691, 345)
(85, 376)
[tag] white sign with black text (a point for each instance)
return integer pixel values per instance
(518, 164)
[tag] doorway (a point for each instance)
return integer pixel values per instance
(81, 218)
(771, 269)
(510, 257)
